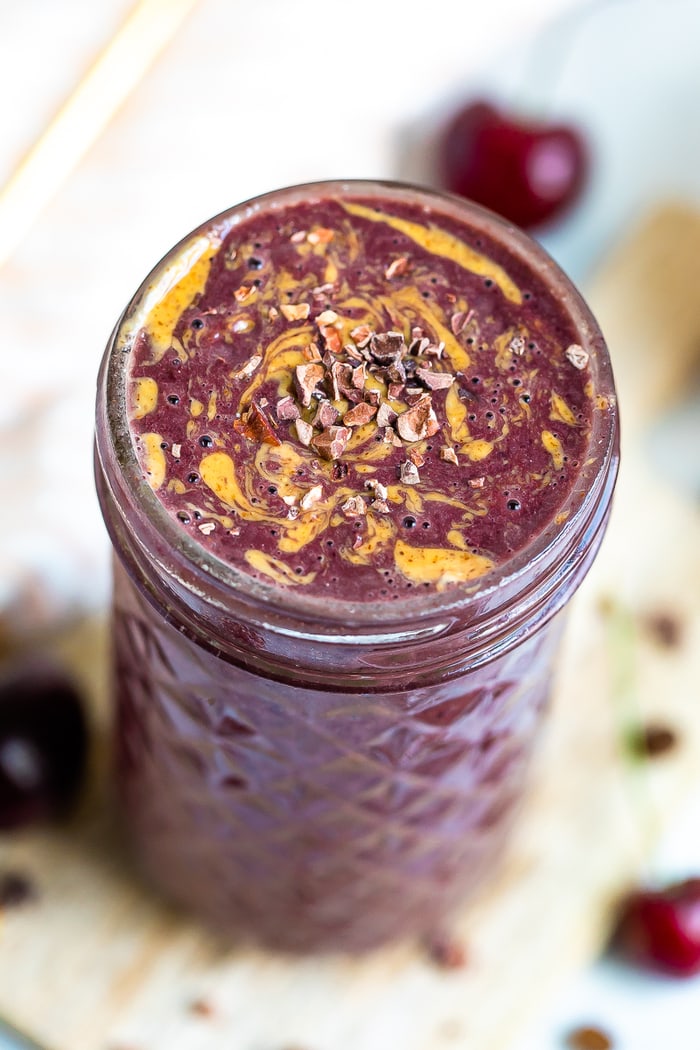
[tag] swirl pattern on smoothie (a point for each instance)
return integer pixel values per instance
(360, 401)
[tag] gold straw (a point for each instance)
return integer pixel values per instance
(87, 111)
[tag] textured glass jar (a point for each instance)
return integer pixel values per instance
(320, 775)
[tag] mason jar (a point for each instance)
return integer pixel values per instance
(330, 775)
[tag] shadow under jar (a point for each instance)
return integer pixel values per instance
(325, 708)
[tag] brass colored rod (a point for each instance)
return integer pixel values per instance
(85, 114)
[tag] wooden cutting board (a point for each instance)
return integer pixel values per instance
(97, 962)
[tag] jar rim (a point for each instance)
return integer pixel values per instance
(232, 588)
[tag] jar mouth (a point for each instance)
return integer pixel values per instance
(230, 588)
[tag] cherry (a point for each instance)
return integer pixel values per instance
(43, 744)
(660, 929)
(528, 171)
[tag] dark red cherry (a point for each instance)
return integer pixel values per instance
(528, 171)
(43, 745)
(660, 929)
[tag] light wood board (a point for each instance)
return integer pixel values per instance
(98, 962)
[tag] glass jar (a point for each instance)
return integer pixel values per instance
(330, 775)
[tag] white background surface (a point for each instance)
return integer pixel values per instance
(312, 91)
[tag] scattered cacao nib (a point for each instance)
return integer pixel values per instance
(376, 487)
(435, 380)
(352, 352)
(16, 889)
(321, 235)
(362, 335)
(416, 457)
(339, 471)
(248, 368)
(293, 513)
(359, 415)
(273, 313)
(354, 507)
(588, 1038)
(359, 376)
(418, 346)
(418, 421)
(326, 414)
(458, 321)
(413, 394)
(476, 483)
(517, 345)
(307, 378)
(385, 415)
(449, 455)
(287, 409)
(396, 374)
(331, 443)
(577, 356)
(242, 293)
(447, 953)
(344, 378)
(305, 432)
(299, 237)
(665, 628)
(381, 506)
(434, 350)
(392, 438)
(295, 311)
(207, 527)
(467, 394)
(397, 268)
(652, 740)
(372, 397)
(312, 496)
(395, 390)
(387, 347)
(339, 375)
(408, 472)
(312, 353)
(331, 337)
(322, 291)
(327, 317)
(255, 425)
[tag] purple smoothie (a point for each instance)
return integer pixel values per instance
(322, 402)
(283, 426)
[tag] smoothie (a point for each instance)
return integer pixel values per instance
(331, 400)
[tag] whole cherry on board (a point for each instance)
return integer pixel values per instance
(43, 744)
(660, 929)
(529, 171)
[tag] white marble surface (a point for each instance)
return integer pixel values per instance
(300, 90)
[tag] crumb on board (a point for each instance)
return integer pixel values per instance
(588, 1037)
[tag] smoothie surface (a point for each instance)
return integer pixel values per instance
(359, 397)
